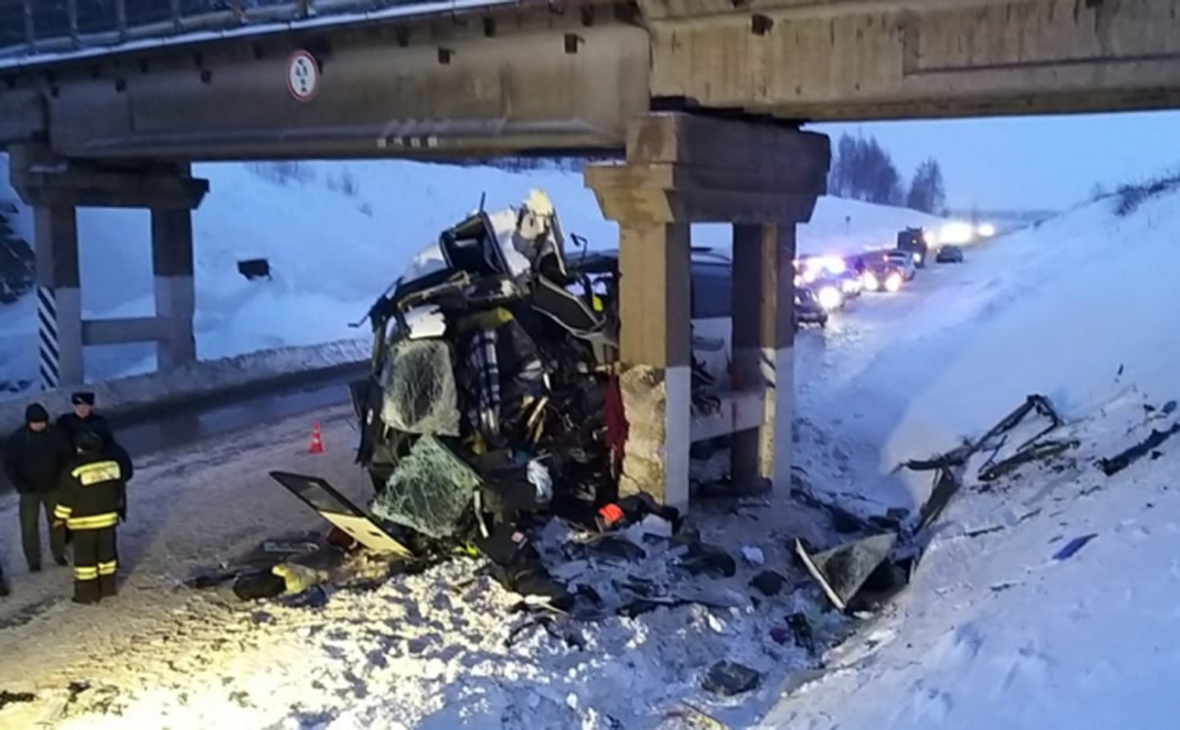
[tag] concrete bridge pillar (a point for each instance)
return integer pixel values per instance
(172, 268)
(683, 169)
(56, 189)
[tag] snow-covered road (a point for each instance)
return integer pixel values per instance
(192, 507)
(429, 650)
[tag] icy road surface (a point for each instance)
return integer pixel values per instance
(431, 650)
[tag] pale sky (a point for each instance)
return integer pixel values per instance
(1030, 162)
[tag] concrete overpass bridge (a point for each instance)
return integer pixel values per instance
(107, 104)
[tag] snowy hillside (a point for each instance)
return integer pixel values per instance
(1003, 626)
(335, 234)
(1060, 309)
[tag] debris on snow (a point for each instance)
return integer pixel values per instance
(801, 629)
(768, 583)
(730, 678)
(1121, 461)
(843, 570)
(1073, 546)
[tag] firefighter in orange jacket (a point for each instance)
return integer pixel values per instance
(92, 498)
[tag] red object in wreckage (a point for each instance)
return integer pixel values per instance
(317, 442)
(616, 425)
(609, 514)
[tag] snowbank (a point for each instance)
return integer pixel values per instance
(1079, 309)
(998, 628)
(201, 379)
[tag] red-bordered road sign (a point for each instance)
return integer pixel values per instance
(303, 76)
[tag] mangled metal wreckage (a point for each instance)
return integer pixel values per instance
(492, 401)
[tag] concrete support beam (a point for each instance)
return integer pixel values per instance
(879, 59)
(680, 170)
(434, 88)
(763, 349)
(59, 297)
(122, 331)
(172, 267)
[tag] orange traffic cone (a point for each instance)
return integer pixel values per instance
(317, 443)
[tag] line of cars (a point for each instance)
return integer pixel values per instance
(825, 283)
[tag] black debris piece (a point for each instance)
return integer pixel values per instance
(955, 457)
(640, 606)
(769, 583)
(981, 531)
(842, 570)
(801, 630)
(254, 269)
(516, 565)
(1033, 452)
(1169, 407)
(995, 438)
(617, 548)
(705, 559)
(211, 577)
(10, 698)
(946, 484)
(730, 678)
(885, 582)
(1121, 461)
(263, 584)
(314, 597)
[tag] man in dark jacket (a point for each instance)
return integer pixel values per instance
(34, 458)
(91, 495)
(85, 419)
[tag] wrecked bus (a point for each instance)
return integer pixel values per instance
(493, 398)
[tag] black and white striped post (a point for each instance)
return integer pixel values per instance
(48, 349)
(59, 300)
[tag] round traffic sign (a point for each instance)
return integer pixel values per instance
(303, 76)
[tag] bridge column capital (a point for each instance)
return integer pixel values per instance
(45, 181)
(682, 168)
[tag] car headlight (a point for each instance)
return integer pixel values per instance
(893, 282)
(835, 265)
(871, 282)
(830, 297)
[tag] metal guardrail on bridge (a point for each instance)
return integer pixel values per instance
(29, 27)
